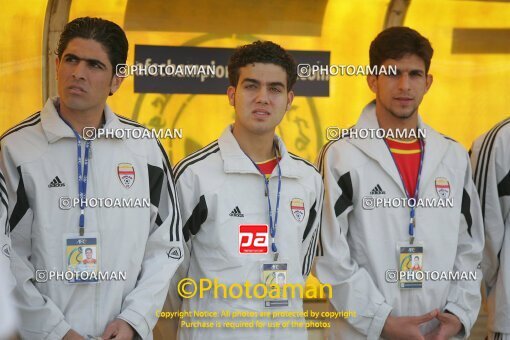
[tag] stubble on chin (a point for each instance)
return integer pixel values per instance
(404, 115)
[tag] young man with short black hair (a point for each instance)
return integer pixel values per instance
(47, 163)
(250, 208)
(365, 249)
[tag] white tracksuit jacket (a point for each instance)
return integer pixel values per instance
(490, 156)
(135, 240)
(8, 319)
(219, 189)
(358, 246)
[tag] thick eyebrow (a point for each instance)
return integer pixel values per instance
(251, 80)
(85, 59)
(277, 83)
(414, 70)
(255, 81)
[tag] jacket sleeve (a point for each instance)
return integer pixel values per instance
(5, 241)
(163, 250)
(311, 234)
(353, 288)
(464, 296)
(492, 179)
(40, 317)
(7, 283)
(194, 213)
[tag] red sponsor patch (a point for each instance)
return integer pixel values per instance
(253, 238)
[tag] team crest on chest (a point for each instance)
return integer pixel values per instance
(297, 206)
(126, 173)
(442, 187)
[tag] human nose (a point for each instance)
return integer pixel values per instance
(79, 70)
(404, 82)
(263, 95)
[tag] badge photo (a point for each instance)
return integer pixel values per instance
(297, 206)
(81, 259)
(410, 266)
(274, 277)
(126, 173)
(442, 187)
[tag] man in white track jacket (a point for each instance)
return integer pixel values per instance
(224, 191)
(369, 233)
(491, 167)
(94, 224)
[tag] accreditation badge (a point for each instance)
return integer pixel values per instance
(81, 258)
(410, 264)
(274, 277)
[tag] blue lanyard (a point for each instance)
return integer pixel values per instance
(82, 176)
(272, 227)
(412, 222)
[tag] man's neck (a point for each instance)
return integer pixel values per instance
(388, 122)
(82, 119)
(258, 147)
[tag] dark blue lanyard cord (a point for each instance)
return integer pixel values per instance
(272, 227)
(412, 213)
(82, 175)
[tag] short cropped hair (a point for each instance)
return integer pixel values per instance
(396, 42)
(107, 33)
(265, 52)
